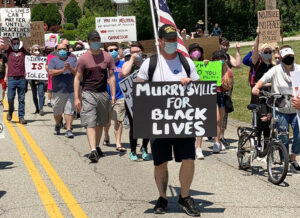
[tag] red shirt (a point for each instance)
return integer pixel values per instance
(16, 62)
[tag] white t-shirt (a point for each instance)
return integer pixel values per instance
(172, 70)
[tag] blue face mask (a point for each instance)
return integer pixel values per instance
(62, 53)
(114, 54)
(95, 46)
(16, 47)
(170, 47)
(139, 57)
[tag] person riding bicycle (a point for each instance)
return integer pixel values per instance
(280, 78)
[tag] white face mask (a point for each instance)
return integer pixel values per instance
(36, 52)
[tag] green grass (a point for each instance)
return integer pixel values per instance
(241, 90)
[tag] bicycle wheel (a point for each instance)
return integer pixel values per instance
(278, 162)
(244, 151)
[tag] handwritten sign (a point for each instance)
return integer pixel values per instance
(212, 71)
(116, 29)
(269, 25)
(15, 22)
(126, 86)
(37, 35)
(51, 40)
(35, 68)
(77, 54)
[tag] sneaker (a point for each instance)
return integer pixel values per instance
(69, 134)
(49, 104)
(94, 156)
(145, 154)
(9, 116)
(294, 167)
(222, 146)
(161, 206)
(99, 151)
(133, 156)
(224, 142)
(22, 121)
(216, 147)
(199, 154)
(42, 113)
(56, 130)
(188, 205)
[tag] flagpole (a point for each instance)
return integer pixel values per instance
(156, 39)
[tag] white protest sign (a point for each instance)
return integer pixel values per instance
(295, 77)
(51, 39)
(35, 68)
(15, 22)
(116, 29)
(77, 54)
(126, 86)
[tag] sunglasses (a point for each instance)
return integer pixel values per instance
(267, 52)
(62, 49)
(111, 50)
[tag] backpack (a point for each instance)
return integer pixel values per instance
(153, 64)
(252, 73)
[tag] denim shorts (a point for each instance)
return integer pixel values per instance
(220, 100)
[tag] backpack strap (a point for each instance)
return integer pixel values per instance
(152, 67)
(185, 64)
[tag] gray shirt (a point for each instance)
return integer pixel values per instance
(281, 83)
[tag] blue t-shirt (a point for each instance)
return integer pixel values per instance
(119, 77)
(217, 31)
(63, 83)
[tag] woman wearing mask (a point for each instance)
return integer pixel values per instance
(227, 82)
(37, 86)
(196, 54)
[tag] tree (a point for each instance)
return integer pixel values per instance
(96, 5)
(73, 12)
(52, 15)
(38, 13)
(20, 3)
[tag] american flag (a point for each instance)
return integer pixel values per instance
(2, 42)
(165, 17)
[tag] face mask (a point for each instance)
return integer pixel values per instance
(288, 60)
(277, 61)
(36, 53)
(170, 47)
(95, 46)
(114, 54)
(266, 56)
(62, 53)
(196, 54)
(140, 57)
(16, 47)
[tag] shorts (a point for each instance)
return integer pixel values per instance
(63, 103)
(118, 110)
(95, 109)
(184, 148)
(220, 100)
(3, 83)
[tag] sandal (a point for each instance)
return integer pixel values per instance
(106, 142)
(121, 149)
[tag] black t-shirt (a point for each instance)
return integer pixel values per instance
(3, 61)
(261, 70)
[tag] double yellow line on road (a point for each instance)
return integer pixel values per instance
(41, 187)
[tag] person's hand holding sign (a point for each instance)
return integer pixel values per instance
(185, 81)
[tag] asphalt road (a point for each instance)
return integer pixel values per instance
(43, 175)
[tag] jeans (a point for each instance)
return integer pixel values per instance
(283, 131)
(38, 88)
(16, 85)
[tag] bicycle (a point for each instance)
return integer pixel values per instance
(249, 148)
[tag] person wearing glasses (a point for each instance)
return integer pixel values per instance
(62, 70)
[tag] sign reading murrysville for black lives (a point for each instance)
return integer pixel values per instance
(171, 110)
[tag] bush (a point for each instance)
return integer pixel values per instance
(38, 13)
(69, 26)
(68, 34)
(52, 15)
(73, 12)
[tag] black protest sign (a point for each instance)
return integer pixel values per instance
(171, 110)
(15, 22)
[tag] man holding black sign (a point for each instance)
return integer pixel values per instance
(175, 67)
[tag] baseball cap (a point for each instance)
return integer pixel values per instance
(93, 34)
(126, 52)
(286, 51)
(167, 31)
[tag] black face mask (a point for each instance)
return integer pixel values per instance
(288, 60)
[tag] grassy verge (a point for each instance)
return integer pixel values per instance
(241, 90)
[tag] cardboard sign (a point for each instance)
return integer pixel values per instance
(116, 29)
(212, 71)
(77, 54)
(269, 25)
(15, 22)
(35, 68)
(51, 40)
(37, 35)
(209, 45)
(295, 77)
(171, 110)
(126, 86)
